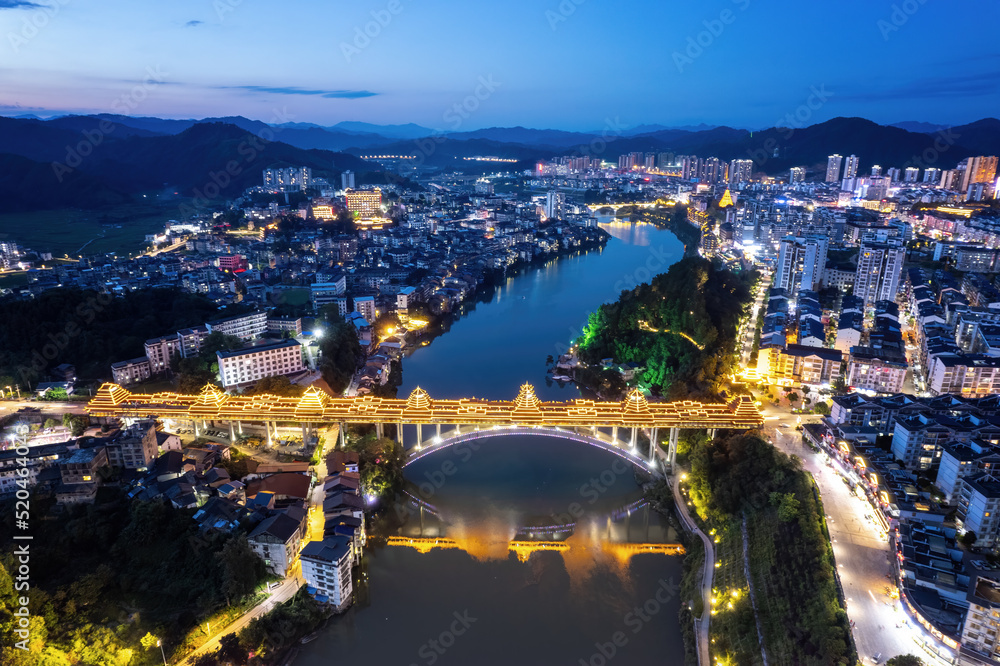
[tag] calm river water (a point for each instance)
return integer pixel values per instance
(477, 601)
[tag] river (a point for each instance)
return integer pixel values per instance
(587, 598)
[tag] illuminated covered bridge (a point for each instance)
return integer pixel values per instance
(576, 419)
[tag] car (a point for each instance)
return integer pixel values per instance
(877, 659)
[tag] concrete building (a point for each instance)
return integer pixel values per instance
(878, 370)
(161, 351)
(365, 305)
(326, 567)
(978, 507)
(135, 447)
(968, 375)
(289, 179)
(879, 268)
(325, 293)
(981, 629)
(801, 261)
(364, 204)
(833, 164)
(277, 541)
(132, 371)
(244, 367)
(191, 339)
(245, 327)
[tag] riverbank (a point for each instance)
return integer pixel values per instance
(501, 338)
(673, 336)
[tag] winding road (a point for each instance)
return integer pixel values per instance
(700, 625)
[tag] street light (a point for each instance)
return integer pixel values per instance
(159, 643)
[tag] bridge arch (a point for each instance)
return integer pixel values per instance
(624, 452)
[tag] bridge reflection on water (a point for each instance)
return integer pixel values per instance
(621, 534)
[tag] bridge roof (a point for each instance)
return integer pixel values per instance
(527, 409)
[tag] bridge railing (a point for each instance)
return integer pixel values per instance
(434, 444)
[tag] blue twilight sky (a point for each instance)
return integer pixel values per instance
(567, 64)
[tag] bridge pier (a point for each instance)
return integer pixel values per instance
(239, 425)
(340, 434)
(379, 430)
(420, 435)
(654, 443)
(711, 433)
(614, 435)
(232, 433)
(635, 438)
(197, 430)
(439, 431)
(267, 429)
(672, 451)
(400, 439)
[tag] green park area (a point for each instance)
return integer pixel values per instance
(72, 232)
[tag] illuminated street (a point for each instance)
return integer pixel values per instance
(866, 573)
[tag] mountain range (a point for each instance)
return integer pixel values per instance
(94, 161)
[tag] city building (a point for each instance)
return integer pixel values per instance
(851, 167)
(554, 203)
(797, 175)
(879, 268)
(833, 164)
(801, 262)
(277, 540)
(365, 305)
(878, 370)
(326, 567)
(325, 293)
(131, 371)
(189, 340)
(741, 171)
(135, 447)
(364, 204)
(981, 629)
(289, 179)
(981, 169)
(161, 351)
(246, 327)
(244, 367)
(978, 507)
(347, 180)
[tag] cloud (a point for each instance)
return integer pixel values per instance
(19, 4)
(965, 85)
(191, 24)
(291, 90)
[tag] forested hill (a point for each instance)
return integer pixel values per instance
(681, 328)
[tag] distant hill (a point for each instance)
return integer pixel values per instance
(916, 126)
(22, 179)
(194, 162)
(525, 136)
(982, 136)
(408, 131)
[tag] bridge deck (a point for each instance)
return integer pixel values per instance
(526, 410)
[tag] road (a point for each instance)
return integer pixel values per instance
(749, 326)
(7, 406)
(285, 591)
(700, 625)
(861, 551)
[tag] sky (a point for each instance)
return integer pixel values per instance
(461, 65)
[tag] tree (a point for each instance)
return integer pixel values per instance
(50, 423)
(788, 506)
(968, 539)
(241, 569)
(278, 385)
(148, 641)
(904, 660)
(822, 408)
